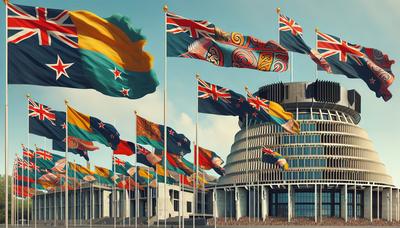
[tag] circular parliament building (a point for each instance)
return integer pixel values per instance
(334, 170)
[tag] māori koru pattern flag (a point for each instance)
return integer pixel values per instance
(202, 40)
(356, 61)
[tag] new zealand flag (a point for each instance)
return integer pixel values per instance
(43, 121)
(214, 99)
(291, 37)
(355, 61)
(177, 143)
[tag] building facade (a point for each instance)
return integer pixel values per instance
(102, 204)
(334, 170)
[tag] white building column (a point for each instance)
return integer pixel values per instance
(377, 204)
(386, 204)
(343, 202)
(368, 203)
(127, 205)
(392, 204)
(355, 202)
(264, 202)
(289, 187)
(398, 205)
(240, 202)
(316, 203)
(220, 203)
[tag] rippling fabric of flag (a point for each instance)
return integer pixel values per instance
(78, 49)
(123, 167)
(209, 160)
(80, 172)
(149, 133)
(90, 128)
(214, 99)
(291, 37)
(202, 40)
(44, 121)
(50, 161)
(105, 176)
(274, 112)
(75, 146)
(355, 61)
(146, 157)
(26, 175)
(272, 157)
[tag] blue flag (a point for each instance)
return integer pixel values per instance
(43, 121)
(214, 99)
(356, 61)
(291, 37)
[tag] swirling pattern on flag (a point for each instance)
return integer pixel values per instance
(207, 42)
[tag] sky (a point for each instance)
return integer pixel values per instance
(368, 23)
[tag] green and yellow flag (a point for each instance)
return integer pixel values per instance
(91, 129)
(78, 49)
(105, 176)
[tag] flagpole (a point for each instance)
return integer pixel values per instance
(12, 196)
(278, 11)
(165, 8)
(35, 221)
(179, 211)
(247, 157)
(92, 207)
(28, 136)
(75, 194)
(148, 197)
(66, 165)
(129, 198)
(316, 48)
(124, 208)
(136, 173)
(114, 198)
(6, 121)
(196, 154)
(136, 194)
(158, 219)
(45, 194)
(80, 199)
(55, 206)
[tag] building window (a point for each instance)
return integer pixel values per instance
(304, 204)
(331, 203)
(176, 205)
(278, 203)
(189, 207)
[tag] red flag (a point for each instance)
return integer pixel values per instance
(125, 148)
(209, 160)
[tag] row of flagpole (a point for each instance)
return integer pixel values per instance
(66, 201)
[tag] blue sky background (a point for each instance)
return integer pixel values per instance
(368, 23)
